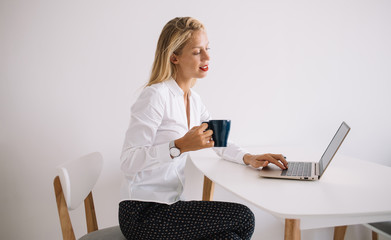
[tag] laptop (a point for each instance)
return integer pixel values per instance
(308, 170)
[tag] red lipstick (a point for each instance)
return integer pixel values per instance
(204, 68)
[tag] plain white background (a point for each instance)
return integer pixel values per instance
(285, 72)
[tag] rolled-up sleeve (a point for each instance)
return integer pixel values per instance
(138, 152)
(231, 153)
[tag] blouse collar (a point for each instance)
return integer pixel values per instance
(174, 87)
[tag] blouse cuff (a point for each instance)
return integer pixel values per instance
(240, 157)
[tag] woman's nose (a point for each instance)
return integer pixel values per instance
(206, 56)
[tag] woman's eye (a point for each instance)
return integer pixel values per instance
(199, 52)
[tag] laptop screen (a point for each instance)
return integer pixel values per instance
(333, 147)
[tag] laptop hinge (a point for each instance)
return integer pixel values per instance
(316, 169)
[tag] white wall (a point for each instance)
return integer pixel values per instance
(285, 72)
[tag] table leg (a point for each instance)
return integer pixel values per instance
(375, 236)
(292, 229)
(339, 232)
(209, 187)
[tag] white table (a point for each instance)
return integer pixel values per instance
(351, 191)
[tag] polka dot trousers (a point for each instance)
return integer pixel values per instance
(185, 220)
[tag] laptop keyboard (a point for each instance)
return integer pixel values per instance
(297, 169)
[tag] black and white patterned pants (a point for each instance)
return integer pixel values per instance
(185, 220)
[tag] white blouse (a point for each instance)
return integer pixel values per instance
(158, 117)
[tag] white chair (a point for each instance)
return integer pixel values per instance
(383, 228)
(72, 186)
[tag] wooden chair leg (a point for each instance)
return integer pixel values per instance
(65, 220)
(209, 187)
(339, 232)
(292, 229)
(92, 224)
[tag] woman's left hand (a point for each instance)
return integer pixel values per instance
(262, 160)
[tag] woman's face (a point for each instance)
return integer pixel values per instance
(193, 61)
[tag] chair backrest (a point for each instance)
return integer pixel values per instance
(72, 186)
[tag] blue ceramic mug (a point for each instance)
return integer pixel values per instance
(220, 130)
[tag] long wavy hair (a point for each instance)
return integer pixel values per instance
(172, 40)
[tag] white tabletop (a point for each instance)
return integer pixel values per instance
(351, 191)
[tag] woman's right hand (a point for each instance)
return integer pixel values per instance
(195, 139)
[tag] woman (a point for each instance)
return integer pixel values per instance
(164, 127)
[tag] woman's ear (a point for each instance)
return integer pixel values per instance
(174, 58)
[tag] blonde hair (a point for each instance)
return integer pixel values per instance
(174, 36)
